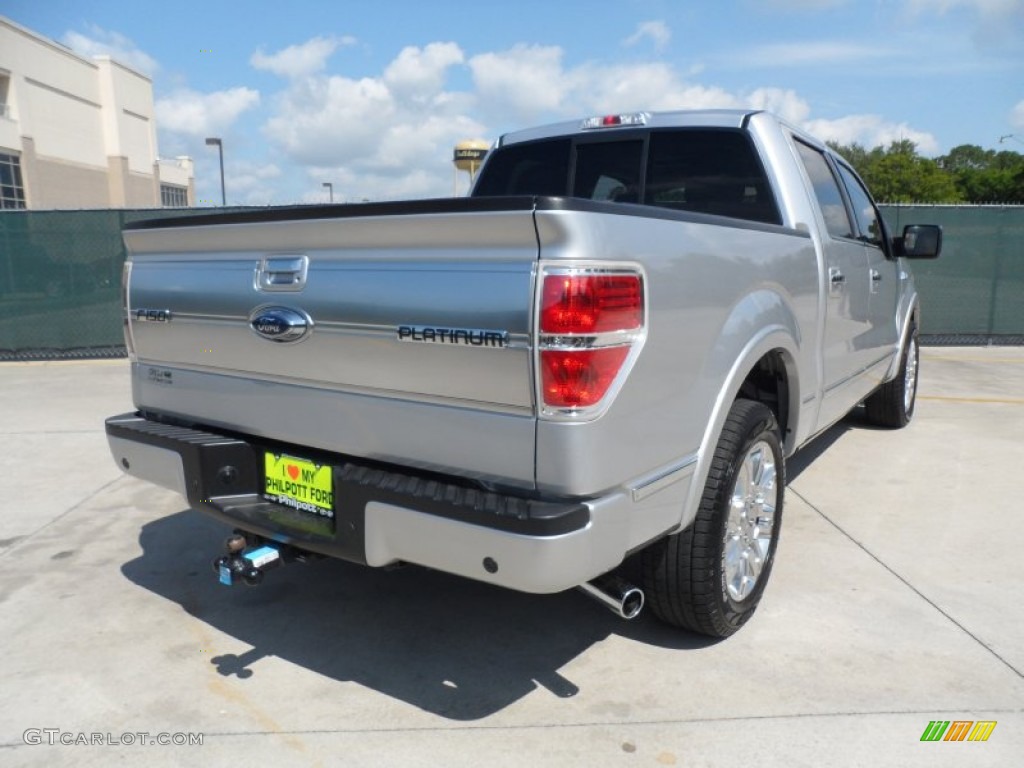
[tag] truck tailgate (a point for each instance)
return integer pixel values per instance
(417, 329)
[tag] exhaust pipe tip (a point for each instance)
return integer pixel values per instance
(616, 594)
(632, 603)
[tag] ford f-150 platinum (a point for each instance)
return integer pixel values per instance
(608, 349)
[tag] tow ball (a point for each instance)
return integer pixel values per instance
(247, 562)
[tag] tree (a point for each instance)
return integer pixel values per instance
(966, 157)
(854, 154)
(986, 176)
(968, 174)
(898, 174)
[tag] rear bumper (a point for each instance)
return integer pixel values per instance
(383, 515)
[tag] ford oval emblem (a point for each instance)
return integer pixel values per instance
(280, 324)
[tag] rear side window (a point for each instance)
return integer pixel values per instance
(826, 190)
(709, 171)
(531, 168)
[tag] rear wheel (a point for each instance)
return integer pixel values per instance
(892, 404)
(710, 577)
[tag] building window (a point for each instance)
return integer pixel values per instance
(5, 87)
(173, 197)
(12, 191)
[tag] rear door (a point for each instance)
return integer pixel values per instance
(847, 344)
(883, 271)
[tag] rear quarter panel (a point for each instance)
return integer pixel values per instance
(719, 293)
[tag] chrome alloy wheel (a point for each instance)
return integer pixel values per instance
(910, 378)
(751, 517)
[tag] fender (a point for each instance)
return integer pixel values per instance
(778, 331)
(907, 314)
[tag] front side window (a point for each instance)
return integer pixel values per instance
(826, 190)
(863, 209)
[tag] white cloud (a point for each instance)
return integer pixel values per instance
(253, 184)
(391, 135)
(299, 60)
(421, 72)
(985, 7)
(203, 114)
(526, 78)
(324, 121)
(103, 42)
(803, 54)
(526, 83)
(641, 86)
(656, 31)
(377, 137)
(870, 131)
(996, 23)
(784, 103)
(1017, 116)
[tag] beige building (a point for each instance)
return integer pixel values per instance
(77, 132)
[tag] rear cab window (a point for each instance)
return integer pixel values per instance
(702, 170)
(530, 168)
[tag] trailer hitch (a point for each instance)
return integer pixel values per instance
(248, 559)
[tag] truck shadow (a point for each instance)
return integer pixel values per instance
(453, 647)
(805, 457)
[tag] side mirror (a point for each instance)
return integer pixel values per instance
(919, 241)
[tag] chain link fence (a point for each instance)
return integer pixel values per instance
(60, 276)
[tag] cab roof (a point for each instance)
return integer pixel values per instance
(692, 118)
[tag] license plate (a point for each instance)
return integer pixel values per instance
(299, 484)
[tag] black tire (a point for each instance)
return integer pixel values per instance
(685, 574)
(892, 404)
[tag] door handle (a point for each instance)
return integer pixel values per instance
(876, 278)
(282, 273)
(836, 280)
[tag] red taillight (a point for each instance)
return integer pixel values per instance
(590, 322)
(579, 378)
(591, 303)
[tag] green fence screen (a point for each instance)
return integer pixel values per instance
(60, 281)
(974, 292)
(60, 274)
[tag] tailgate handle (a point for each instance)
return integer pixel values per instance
(282, 273)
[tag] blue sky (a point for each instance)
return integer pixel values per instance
(372, 96)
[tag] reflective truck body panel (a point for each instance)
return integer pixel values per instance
(351, 386)
(400, 343)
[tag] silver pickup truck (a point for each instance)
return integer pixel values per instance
(609, 349)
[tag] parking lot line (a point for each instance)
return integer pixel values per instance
(952, 399)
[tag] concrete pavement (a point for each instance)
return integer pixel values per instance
(894, 602)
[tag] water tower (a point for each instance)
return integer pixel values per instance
(469, 156)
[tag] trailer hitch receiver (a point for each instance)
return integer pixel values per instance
(246, 563)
